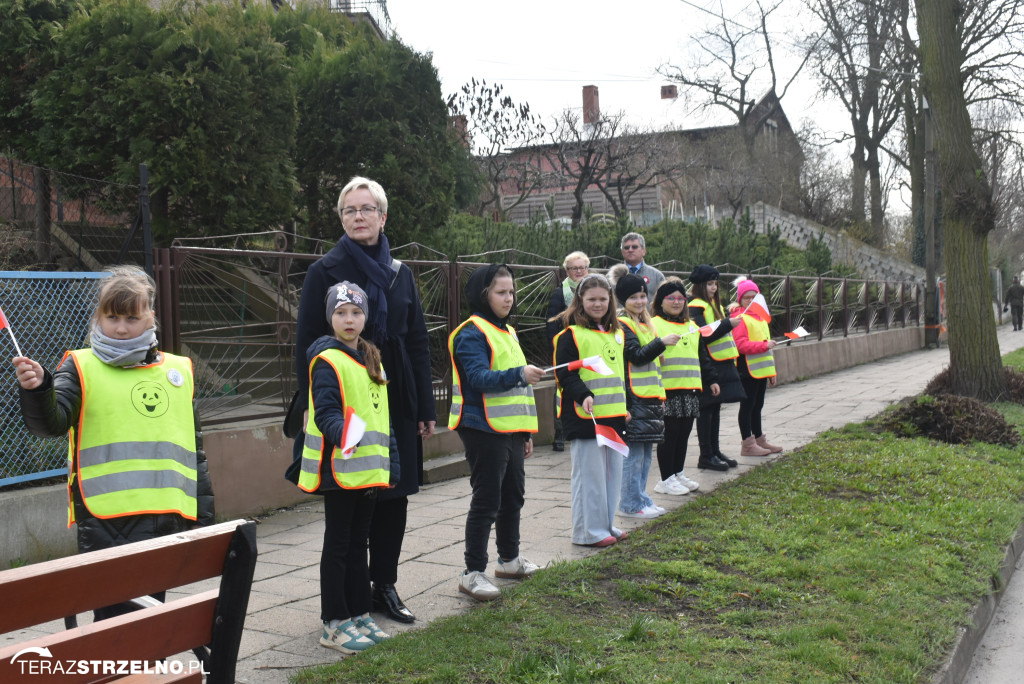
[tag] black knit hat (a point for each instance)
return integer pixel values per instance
(627, 286)
(704, 273)
(667, 287)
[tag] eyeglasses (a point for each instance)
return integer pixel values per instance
(349, 212)
(577, 269)
(629, 248)
(676, 300)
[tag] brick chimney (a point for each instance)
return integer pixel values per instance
(591, 106)
(669, 92)
(460, 123)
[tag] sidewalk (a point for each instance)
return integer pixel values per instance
(283, 622)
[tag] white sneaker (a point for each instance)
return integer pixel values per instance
(671, 486)
(636, 514)
(661, 511)
(517, 568)
(653, 511)
(692, 485)
(477, 585)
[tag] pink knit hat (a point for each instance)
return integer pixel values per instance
(744, 287)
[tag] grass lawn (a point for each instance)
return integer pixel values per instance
(853, 558)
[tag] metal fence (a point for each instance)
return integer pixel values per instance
(233, 309)
(49, 314)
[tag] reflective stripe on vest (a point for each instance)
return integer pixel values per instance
(724, 348)
(609, 392)
(513, 410)
(119, 472)
(760, 365)
(645, 379)
(680, 367)
(369, 464)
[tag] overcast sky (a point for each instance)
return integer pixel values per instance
(544, 51)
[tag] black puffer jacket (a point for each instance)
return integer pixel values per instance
(647, 416)
(51, 410)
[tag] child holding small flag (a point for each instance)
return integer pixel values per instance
(680, 374)
(122, 397)
(756, 366)
(494, 413)
(350, 452)
(592, 405)
(645, 395)
(721, 384)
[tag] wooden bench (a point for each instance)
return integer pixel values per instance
(133, 645)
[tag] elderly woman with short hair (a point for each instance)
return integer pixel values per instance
(397, 326)
(577, 267)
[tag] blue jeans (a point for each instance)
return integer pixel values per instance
(635, 469)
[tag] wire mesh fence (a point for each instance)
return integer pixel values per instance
(49, 314)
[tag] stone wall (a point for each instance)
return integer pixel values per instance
(868, 261)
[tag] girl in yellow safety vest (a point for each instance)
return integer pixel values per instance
(680, 373)
(645, 395)
(136, 466)
(721, 384)
(756, 366)
(349, 454)
(586, 395)
(494, 412)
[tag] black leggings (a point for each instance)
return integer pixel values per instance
(707, 429)
(672, 452)
(750, 408)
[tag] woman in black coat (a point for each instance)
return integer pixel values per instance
(396, 325)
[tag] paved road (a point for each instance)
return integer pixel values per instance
(283, 624)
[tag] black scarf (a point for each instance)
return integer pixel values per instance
(379, 275)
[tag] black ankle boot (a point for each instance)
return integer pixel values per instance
(385, 600)
(708, 461)
(731, 462)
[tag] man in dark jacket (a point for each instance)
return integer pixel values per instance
(1015, 300)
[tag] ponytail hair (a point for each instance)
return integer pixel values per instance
(371, 359)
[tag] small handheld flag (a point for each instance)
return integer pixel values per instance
(759, 307)
(797, 334)
(706, 330)
(592, 363)
(5, 324)
(608, 437)
(355, 428)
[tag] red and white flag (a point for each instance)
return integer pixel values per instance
(592, 363)
(706, 330)
(5, 324)
(608, 437)
(355, 428)
(797, 334)
(759, 307)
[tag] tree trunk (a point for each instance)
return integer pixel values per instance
(857, 214)
(875, 197)
(41, 181)
(976, 369)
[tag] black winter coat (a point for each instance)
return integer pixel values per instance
(647, 416)
(711, 371)
(51, 410)
(405, 356)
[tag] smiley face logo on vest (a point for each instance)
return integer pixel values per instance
(611, 352)
(150, 399)
(373, 391)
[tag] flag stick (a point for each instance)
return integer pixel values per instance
(11, 333)
(561, 365)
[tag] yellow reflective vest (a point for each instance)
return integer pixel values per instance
(680, 367)
(724, 348)
(133, 449)
(513, 410)
(609, 392)
(368, 465)
(644, 380)
(760, 365)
